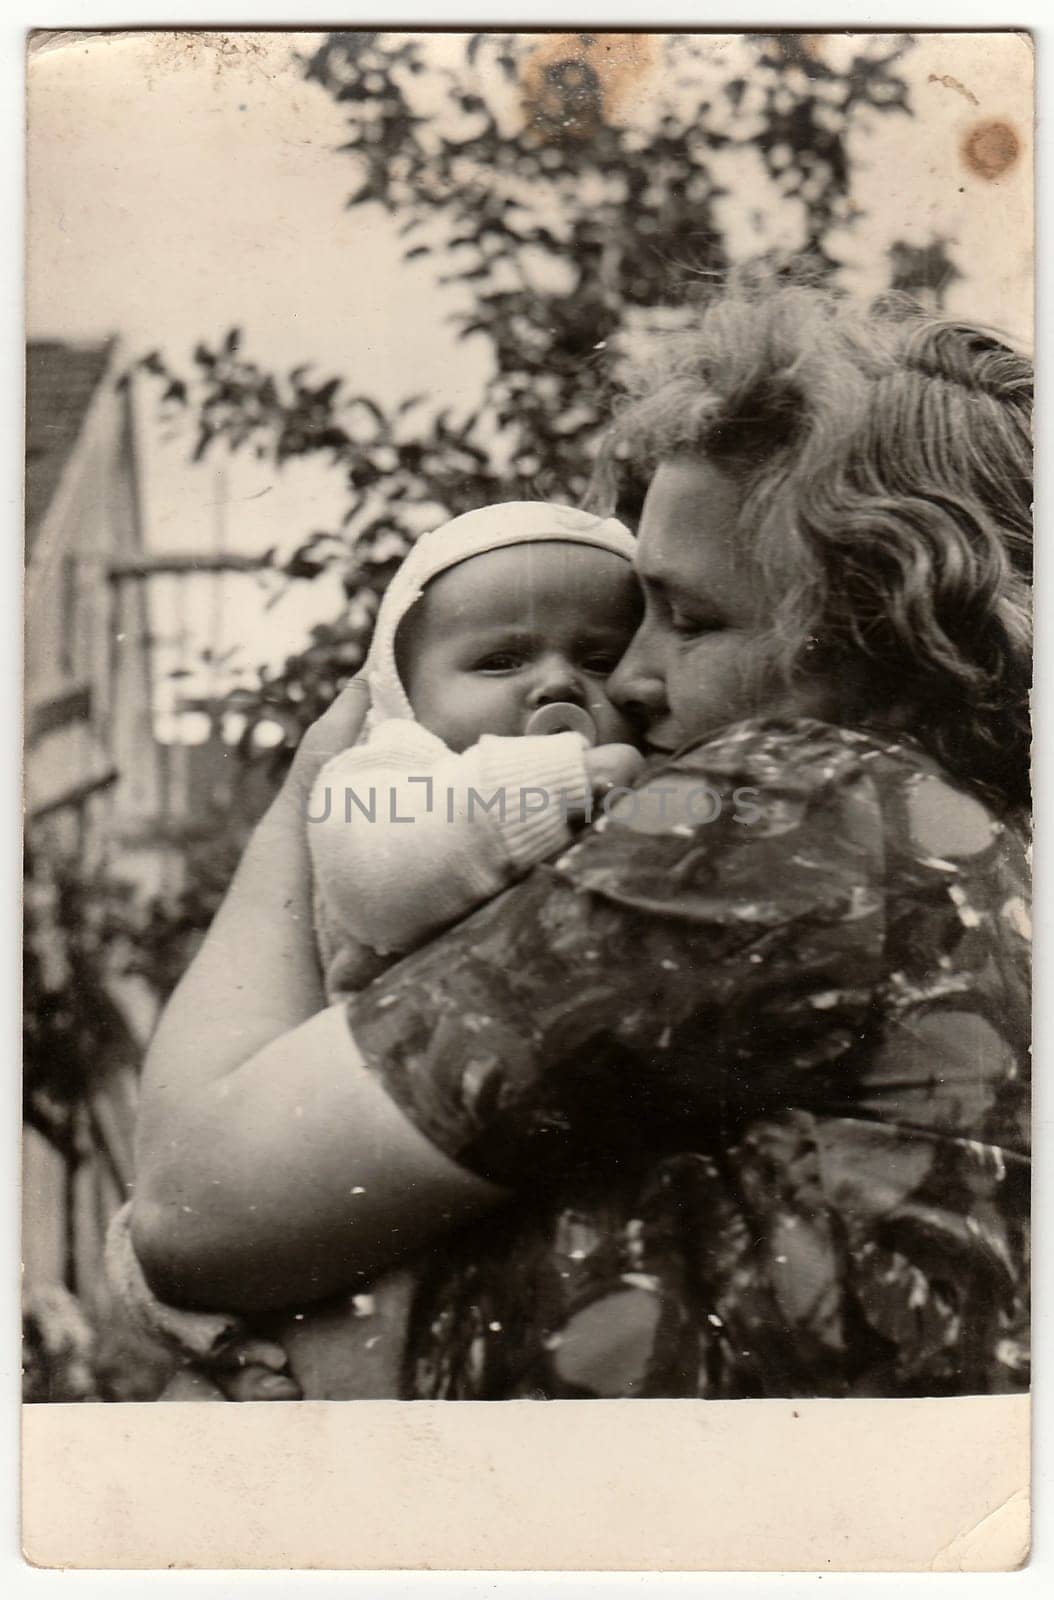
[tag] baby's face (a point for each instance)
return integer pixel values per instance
(499, 635)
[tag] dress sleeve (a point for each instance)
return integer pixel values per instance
(703, 953)
(756, 1050)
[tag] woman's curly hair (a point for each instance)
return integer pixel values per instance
(886, 460)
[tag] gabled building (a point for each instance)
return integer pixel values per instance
(92, 777)
(92, 766)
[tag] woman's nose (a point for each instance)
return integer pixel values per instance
(556, 679)
(637, 687)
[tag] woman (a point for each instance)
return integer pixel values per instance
(731, 1099)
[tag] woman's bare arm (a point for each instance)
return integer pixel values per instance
(289, 1178)
(256, 974)
(271, 1166)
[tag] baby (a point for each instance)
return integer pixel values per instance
(446, 799)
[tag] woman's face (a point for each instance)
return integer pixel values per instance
(687, 671)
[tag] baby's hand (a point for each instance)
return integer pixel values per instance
(608, 766)
(612, 766)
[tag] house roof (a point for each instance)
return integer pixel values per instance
(61, 378)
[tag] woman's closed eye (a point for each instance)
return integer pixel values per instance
(690, 627)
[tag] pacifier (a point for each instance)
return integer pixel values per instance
(561, 716)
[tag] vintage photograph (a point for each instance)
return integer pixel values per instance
(528, 646)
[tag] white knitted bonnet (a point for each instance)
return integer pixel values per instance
(472, 534)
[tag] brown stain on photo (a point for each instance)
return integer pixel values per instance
(949, 82)
(172, 49)
(991, 149)
(575, 82)
(802, 46)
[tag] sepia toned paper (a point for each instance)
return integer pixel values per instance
(928, 1485)
(866, 1486)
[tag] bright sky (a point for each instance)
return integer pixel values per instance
(181, 188)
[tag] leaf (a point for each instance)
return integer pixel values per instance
(372, 407)
(366, 191)
(301, 566)
(330, 439)
(327, 393)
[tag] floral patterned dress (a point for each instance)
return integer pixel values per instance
(777, 1139)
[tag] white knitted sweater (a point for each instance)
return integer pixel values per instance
(407, 837)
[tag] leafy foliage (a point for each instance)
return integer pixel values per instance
(923, 272)
(567, 190)
(72, 1030)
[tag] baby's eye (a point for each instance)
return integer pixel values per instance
(499, 661)
(601, 662)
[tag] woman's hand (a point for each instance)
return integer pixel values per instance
(335, 730)
(608, 767)
(220, 1357)
(254, 1369)
(251, 1371)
